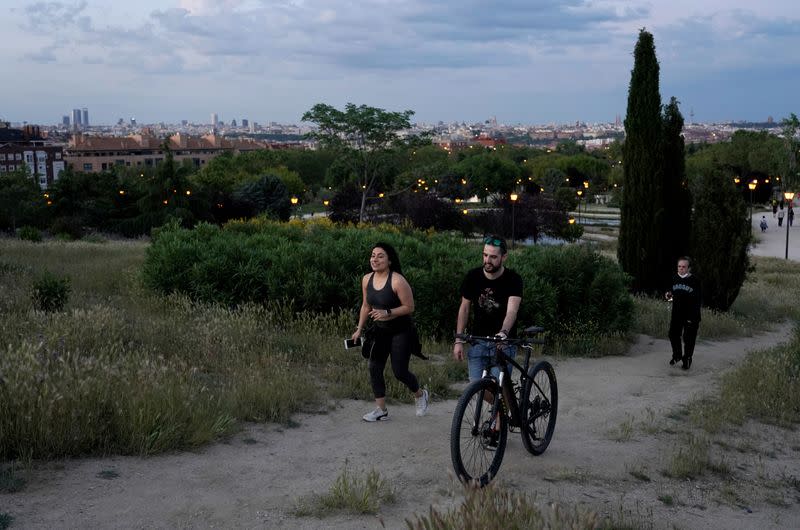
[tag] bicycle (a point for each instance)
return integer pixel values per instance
(490, 407)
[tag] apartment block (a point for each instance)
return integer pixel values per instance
(94, 154)
(26, 148)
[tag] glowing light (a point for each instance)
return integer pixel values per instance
(188, 192)
(326, 202)
(514, 197)
(294, 200)
(122, 192)
(572, 220)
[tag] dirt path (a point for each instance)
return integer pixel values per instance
(253, 480)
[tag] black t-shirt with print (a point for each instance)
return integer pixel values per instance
(489, 299)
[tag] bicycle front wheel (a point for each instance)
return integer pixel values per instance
(539, 407)
(479, 433)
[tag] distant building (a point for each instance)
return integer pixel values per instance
(214, 119)
(27, 148)
(85, 117)
(76, 119)
(65, 121)
(245, 123)
(233, 123)
(94, 154)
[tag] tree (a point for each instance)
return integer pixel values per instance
(489, 173)
(789, 128)
(720, 237)
(675, 230)
(267, 195)
(19, 198)
(640, 252)
(365, 131)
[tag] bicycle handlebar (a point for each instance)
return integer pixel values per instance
(525, 339)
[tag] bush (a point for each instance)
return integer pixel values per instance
(50, 293)
(68, 226)
(317, 267)
(29, 233)
(570, 287)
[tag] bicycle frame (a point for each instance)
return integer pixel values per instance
(504, 379)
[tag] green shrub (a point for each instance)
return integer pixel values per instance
(30, 233)
(68, 227)
(569, 287)
(317, 267)
(50, 293)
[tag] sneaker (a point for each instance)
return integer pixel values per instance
(673, 361)
(422, 403)
(376, 415)
(687, 363)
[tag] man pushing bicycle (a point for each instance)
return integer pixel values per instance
(494, 292)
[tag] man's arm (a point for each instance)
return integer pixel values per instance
(461, 324)
(511, 314)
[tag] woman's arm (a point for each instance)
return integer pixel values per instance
(363, 314)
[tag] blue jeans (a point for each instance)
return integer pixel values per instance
(482, 354)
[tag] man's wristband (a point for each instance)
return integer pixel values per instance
(459, 341)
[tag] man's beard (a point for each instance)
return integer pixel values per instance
(489, 267)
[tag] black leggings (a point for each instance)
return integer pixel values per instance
(398, 346)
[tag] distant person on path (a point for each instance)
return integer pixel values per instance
(387, 300)
(685, 297)
(781, 214)
(763, 223)
(494, 293)
(774, 207)
(791, 216)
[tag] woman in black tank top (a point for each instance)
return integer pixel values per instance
(387, 300)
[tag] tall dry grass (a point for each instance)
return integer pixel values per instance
(123, 371)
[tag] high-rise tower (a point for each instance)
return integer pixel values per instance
(85, 117)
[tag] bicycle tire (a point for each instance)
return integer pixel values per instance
(474, 459)
(539, 407)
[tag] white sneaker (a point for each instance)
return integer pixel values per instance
(376, 415)
(422, 403)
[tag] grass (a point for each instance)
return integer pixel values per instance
(10, 481)
(497, 507)
(108, 474)
(622, 432)
(693, 459)
(121, 371)
(764, 387)
(5, 520)
(353, 493)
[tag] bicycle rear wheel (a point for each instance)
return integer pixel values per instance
(539, 407)
(478, 433)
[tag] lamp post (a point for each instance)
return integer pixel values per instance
(752, 186)
(514, 198)
(789, 196)
(580, 195)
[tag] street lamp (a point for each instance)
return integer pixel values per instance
(514, 198)
(580, 194)
(789, 196)
(752, 186)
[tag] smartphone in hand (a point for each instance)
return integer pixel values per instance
(350, 343)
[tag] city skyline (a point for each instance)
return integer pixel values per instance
(522, 62)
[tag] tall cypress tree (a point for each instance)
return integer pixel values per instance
(640, 249)
(677, 199)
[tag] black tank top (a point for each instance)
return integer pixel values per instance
(386, 298)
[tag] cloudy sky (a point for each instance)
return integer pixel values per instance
(521, 61)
